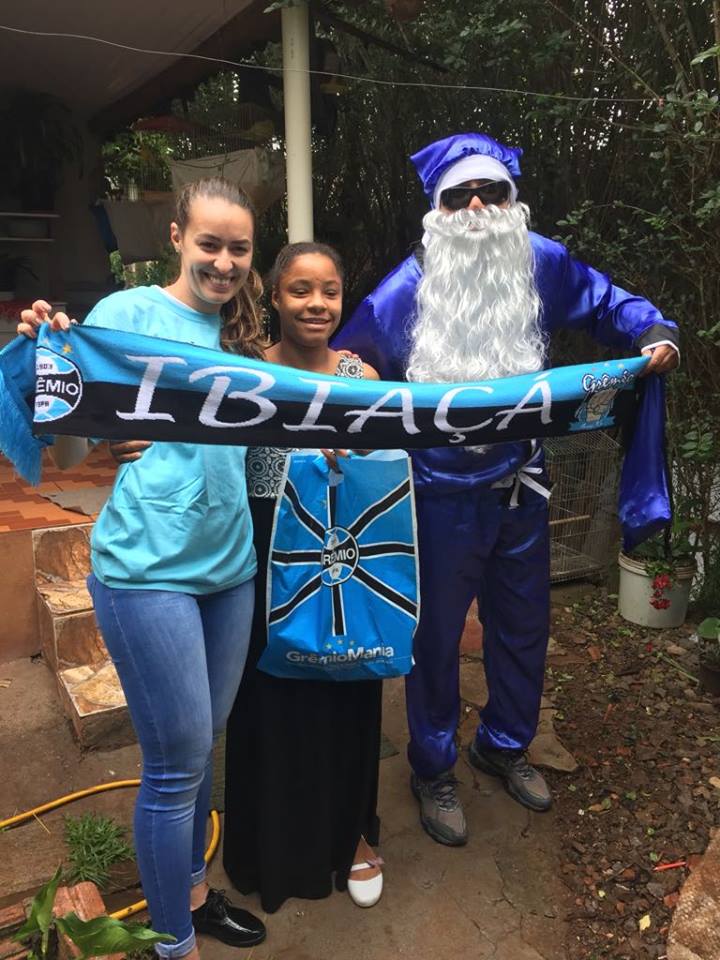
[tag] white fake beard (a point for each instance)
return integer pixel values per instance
(478, 308)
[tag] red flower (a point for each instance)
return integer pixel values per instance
(660, 603)
(662, 582)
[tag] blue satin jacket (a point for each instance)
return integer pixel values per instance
(574, 296)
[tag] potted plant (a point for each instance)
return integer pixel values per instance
(709, 649)
(655, 579)
(10, 268)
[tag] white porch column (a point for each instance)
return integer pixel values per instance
(296, 87)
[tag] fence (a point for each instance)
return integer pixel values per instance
(584, 469)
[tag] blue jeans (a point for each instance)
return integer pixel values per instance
(180, 659)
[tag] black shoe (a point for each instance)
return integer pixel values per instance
(441, 813)
(218, 918)
(522, 781)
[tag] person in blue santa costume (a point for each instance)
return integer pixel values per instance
(479, 300)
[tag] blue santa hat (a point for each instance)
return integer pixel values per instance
(465, 156)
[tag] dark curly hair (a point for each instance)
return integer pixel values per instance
(291, 251)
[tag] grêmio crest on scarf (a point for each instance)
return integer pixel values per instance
(104, 383)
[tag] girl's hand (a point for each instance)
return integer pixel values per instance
(125, 451)
(38, 314)
(331, 457)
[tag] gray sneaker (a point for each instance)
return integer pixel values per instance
(522, 781)
(441, 812)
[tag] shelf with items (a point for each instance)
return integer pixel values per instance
(28, 271)
(27, 239)
(30, 216)
(24, 227)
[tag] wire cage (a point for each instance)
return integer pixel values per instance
(584, 468)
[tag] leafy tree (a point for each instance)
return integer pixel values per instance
(616, 107)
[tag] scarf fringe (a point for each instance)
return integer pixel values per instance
(17, 442)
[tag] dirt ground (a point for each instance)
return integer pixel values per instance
(647, 791)
(591, 879)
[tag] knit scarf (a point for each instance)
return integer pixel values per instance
(91, 382)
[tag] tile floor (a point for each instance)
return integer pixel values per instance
(22, 506)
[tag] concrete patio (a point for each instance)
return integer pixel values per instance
(499, 897)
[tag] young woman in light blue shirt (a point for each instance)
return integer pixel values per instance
(173, 568)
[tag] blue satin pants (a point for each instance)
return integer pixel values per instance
(473, 544)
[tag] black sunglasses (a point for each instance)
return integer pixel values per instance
(456, 198)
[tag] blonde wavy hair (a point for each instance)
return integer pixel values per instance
(243, 329)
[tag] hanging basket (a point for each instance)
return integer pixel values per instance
(636, 592)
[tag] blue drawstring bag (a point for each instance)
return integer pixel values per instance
(343, 599)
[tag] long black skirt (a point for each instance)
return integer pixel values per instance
(301, 774)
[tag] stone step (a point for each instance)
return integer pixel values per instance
(69, 634)
(94, 701)
(71, 643)
(62, 553)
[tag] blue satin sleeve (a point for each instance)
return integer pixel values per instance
(576, 296)
(644, 504)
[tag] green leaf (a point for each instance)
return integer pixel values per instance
(709, 629)
(705, 55)
(41, 908)
(103, 935)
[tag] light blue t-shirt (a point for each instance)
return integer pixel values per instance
(178, 517)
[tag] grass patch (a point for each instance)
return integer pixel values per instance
(94, 843)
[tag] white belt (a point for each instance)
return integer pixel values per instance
(524, 477)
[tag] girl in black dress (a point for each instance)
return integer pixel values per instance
(302, 755)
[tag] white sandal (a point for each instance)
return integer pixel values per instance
(366, 893)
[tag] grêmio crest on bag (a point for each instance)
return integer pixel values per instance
(343, 598)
